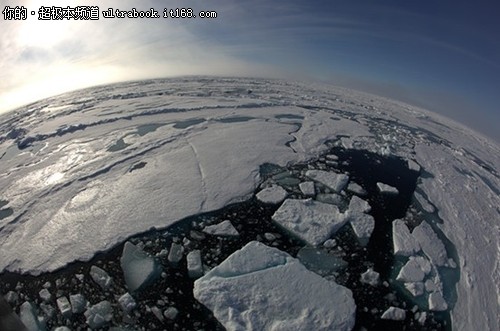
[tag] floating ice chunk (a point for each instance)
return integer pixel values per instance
(431, 245)
(437, 302)
(307, 188)
(64, 307)
(45, 295)
(331, 198)
(274, 194)
(404, 243)
(421, 318)
(269, 236)
(319, 261)
(127, 302)
(356, 188)
(387, 189)
(158, 314)
(175, 254)
(310, 220)
(359, 205)
(78, 303)
(194, 265)
(101, 277)
(434, 284)
(29, 318)
(263, 288)
(224, 228)
(12, 297)
(414, 166)
(171, 313)
(332, 180)
(426, 206)
(370, 277)
(330, 243)
(394, 313)
(362, 224)
(99, 314)
(414, 270)
(416, 288)
(332, 157)
(139, 269)
(62, 328)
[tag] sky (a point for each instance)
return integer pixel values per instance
(441, 55)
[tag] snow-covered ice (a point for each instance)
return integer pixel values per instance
(175, 254)
(356, 188)
(224, 228)
(263, 288)
(387, 189)
(414, 270)
(194, 264)
(431, 245)
(127, 302)
(139, 269)
(274, 194)
(64, 306)
(359, 205)
(394, 313)
(437, 302)
(28, 316)
(45, 295)
(310, 220)
(362, 224)
(99, 314)
(332, 180)
(78, 303)
(403, 241)
(101, 277)
(307, 188)
(370, 277)
(416, 288)
(331, 198)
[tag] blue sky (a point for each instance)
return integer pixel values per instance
(442, 55)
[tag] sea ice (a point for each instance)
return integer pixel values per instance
(394, 313)
(99, 314)
(310, 220)
(320, 261)
(127, 302)
(332, 180)
(263, 288)
(175, 254)
(78, 303)
(139, 269)
(171, 313)
(272, 195)
(437, 302)
(307, 188)
(64, 307)
(414, 166)
(431, 245)
(414, 270)
(194, 265)
(330, 198)
(101, 277)
(224, 228)
(416, 288)
(359, 205)
(29, 318)
(370, 277)
(387, 189)
(404, 243)
(356, 188)
(45, 295)
(362, 224)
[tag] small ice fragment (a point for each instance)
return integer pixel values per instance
(422, 318)
(332, 157)
(414, 270)
(404, 243)
(194, 264)
(330, 243)
(171, 313)
(127, 302)
(45, 295)
(414, 166)
(101, 277)
(370, 277)
(272, 195)
(12, 297)
(415, 288)
(426, 206)
(394, 313)
(62, 328)
(139, 269)
(175, 254)
(332, 180)
(356, 188)
(29, 318)
(359, 205)
(224, 228)
(78, 303)
(307, 188)
(437, 302)
(64, 307)
(362, 224)
(310, 220)
(387, 189)
(99, 314)
(269, 236)
(157, 312)
(430, 243)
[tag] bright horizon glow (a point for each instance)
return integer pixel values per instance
(444, 57)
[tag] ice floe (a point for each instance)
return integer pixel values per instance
(274, 194)
(263, 288)
(101, 277)
(139, 269)
(370, 277)
(307, 188)
(99, 314)
(394, 313)
(194, 264)
(387, 189)
(332, 180)
(431, 245)
(224, 228)
(414, 270)
(310, 220)
(403, 241)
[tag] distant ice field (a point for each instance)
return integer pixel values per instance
(84, 171)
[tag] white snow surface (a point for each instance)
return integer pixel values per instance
(431, 245)
(274, 194)
(394, 313)
(403, 241)
(334, 181)
(64, 186)
(224, 228)
(310, 220)
(387, 189)
(263, 288)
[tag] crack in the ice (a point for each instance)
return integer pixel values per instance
(202, 175)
